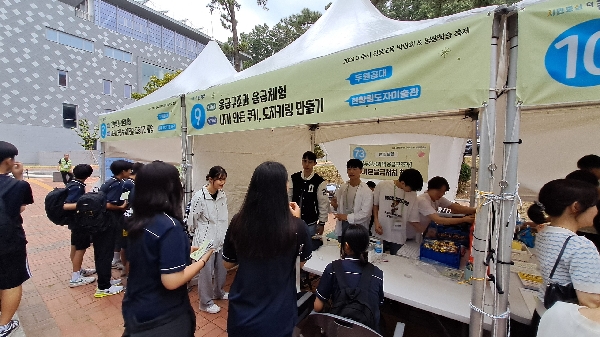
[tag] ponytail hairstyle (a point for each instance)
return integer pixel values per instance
(216, 173)
(557, 195)
(357, 238)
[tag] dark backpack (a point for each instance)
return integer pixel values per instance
(7, 225)
(91, 215)
(353, 303)
(54, 202)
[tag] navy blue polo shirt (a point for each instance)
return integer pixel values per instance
(328, 285)
(161, 248)
(75, 189)
(19, 195)
(262, 298)
(113, 188)
(128, 185)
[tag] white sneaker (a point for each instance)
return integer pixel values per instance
(113, 290)
(115, 282)
(213, 309)
(81, 281)
(87, 272)
(224, 297)
(117, 265)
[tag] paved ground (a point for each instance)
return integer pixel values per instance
(51, 309)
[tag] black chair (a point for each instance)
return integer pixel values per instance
(321, 325)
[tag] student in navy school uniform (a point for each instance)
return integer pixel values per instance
(156, 301)
(80, 240)
(128, 187)
(264, 239)
(14, 269)
(104, 242)
(355, 241)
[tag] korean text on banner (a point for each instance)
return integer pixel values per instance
(444, 67)
(158, 120)
(387, 162)
(559, 52)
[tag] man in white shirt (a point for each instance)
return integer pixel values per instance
(430, 201)
(395, 209)
(353, 201)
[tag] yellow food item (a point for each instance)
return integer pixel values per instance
(517, 245)
(531, 278)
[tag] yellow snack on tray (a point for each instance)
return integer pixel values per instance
(517, 245)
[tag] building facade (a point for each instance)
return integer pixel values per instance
(66, 60)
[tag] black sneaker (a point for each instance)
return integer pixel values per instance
(9, 328)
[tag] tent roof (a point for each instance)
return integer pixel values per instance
(210, 67)
(345, 25)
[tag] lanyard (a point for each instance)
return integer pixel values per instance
(354, 200)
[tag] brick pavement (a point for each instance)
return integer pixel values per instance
(50, 308)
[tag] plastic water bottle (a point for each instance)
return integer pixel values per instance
(378, 251)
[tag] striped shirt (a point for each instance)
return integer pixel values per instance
(579, 264)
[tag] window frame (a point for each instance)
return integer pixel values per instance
(66, 78)
(104, 82)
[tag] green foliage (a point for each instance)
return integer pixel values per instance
(228, 9)
(262, 41)
(465, 173)
(154, 84)
(414, 10)
(88, 137)
(319, 151)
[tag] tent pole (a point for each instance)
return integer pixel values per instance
(485, 181)
(508, 184)
(185, 165)
(474, 154)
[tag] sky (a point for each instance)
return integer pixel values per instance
(198, 15)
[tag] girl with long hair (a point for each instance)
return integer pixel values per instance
(264, 239)
(209, 220)
(156, 302)
(353, 253)
(569, 205)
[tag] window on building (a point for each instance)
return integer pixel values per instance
(117, 54)
(127, 91)
(69, 115)
(69, 40)
(107, 87)
(149, 70)
(62, 78)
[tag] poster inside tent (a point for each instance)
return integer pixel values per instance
(387, 162)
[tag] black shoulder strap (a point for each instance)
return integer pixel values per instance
(560, 255)
(6, 187)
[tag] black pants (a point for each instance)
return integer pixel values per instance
(104, 244)
(64, 176)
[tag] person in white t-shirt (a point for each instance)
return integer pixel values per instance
(430, 202)
(353, 201)
(395, 209)
(568, 319)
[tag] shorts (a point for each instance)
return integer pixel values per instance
(80, 239)
(14, 269)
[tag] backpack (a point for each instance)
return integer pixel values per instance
(54, 202)
(91, 214)
(353, 303)
(7, 226)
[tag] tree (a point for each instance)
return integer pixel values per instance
(154, 84)
(229, 22)
(262, 41)
(88, 137)
(414, 10)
